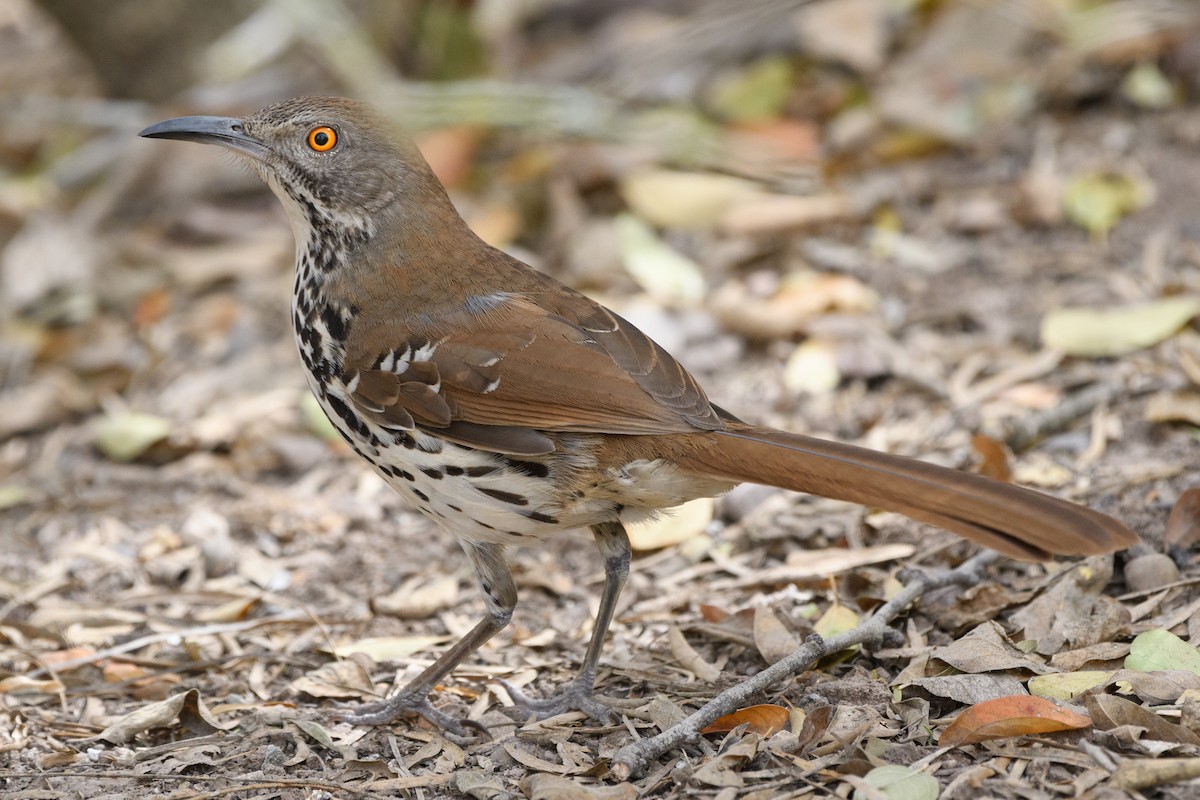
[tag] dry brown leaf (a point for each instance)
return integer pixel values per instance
(543, 786)
(345, 678)
(1074, 611)
(971, 689)
(689, 659)
(798, 299)
(778, 212)
(388, 648)
(765, 720)
(1183, 526)
(528, 759)
(22, 684)
(993, 458)
(772, 638)
(185, 709)
(419, 597)
(987, 649)
(1111, 712)
(1020, 715)
(1178, 406)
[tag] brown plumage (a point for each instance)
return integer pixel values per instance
(509, 407)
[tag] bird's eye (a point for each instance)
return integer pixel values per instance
(322, 138)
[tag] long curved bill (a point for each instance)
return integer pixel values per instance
(226, 131)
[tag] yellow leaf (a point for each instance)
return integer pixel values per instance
(1098, 333)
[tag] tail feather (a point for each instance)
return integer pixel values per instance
(1018, 522)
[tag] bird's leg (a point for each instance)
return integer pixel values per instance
(579, 695)
(500, 593)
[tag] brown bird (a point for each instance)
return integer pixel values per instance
(508, 407)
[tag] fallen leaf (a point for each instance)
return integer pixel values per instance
(667, 275)
(345, 678)
(1182, 405)
(836, 620)
(1019, 715)
(764, 720)
(21, 684)
(1157, 686)
(418, 597)
(544, 786)
(1097, 201)
(1161, 650)
(853, 32)
(388, 648)
(125, 435)
(1146, 85)
(673, 527)
(896, 782)
(1183, 527)
(812, 367)
(673, 199)
(1065, 685)
(773, 639)
(185, 709)
(315, 418)
(1110, 712)
(1099, 333)
(993, 458)
(970, 689)
(773, 213)
(987, 649)
(689, 659)
(754, 92)
(799, 298)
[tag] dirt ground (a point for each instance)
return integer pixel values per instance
(194, 574)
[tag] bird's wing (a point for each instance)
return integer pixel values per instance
(495, 371)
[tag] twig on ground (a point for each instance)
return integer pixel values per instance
(634, 758)
(1022, 433)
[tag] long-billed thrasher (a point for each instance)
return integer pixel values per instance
(508, 407)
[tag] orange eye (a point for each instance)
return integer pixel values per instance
(322, 139)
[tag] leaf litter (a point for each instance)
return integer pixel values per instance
(196, 571)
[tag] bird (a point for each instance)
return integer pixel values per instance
(508, 407)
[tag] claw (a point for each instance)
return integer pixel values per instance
(403, 705)
(578, 696)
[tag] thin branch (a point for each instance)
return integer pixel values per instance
(634, 758)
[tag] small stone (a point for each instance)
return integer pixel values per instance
(1150, 572)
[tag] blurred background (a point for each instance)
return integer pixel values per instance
(960, 229)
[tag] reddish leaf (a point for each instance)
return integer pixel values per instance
(1183, 528)
(1016, 715)
(993, 458)
(714, 614)
(763, 720)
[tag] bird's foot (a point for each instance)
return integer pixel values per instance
(405, 704)
(578, 696)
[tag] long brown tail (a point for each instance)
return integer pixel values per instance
(1018, 522)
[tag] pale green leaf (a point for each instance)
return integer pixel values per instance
(898, 782)
(836, 620)
(125, 435)
(1097, 201)
(1159, 650)
(667, 275)
(1096, 332)
(1065, 685)
(756, 92)
(315, 418)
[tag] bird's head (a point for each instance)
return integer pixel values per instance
(331, 161)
